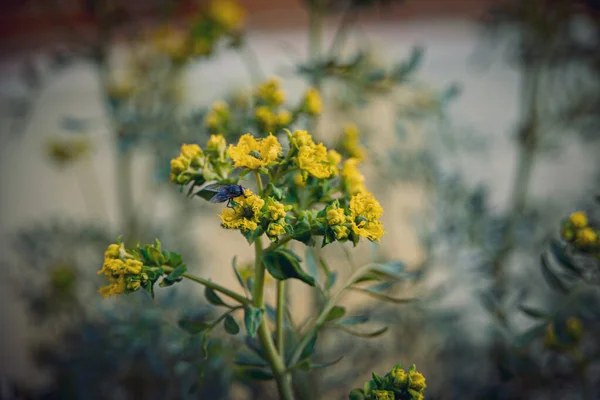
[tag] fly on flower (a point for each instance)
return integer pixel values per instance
(225, 192)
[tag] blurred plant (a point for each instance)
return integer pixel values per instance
(397, 384)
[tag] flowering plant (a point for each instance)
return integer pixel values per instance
(302, 191)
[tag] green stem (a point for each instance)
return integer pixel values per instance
(239, 298)
(280, 320)
(284, 384)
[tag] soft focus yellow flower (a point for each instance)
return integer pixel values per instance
(67, 150)
(335, 159)
(301, 138)
(178, 165)
(578, 220)
(416, 381)
(171, 41)
(586, 237)
(352, 179)
(265, 117)
(350, 142)
(365, 211)
(382, 395)
(314, 160)
(271, 93)
(216, 144)
(299, 179)
(247, 271)
(284, 118)
(113, 251)
(202, 46)
(115, 288)
(255, 153)
(574, 330)
(276, 229)
(245, 213)
(228, 14)
(217, 116)
(311, 103)
(191, 151)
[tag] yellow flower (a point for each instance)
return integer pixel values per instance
(190, 151)
(216, 144)
(276, 229)
(117, 272)
(312, 104)
(352, 180)
(350, 142)
(228, 14)
(274, 210)
(341, 232)
(335, 215)
(113, 251)
(578, 220)
(365, 211)
(382, 395)
(335, 159)
(284, 118)
(265, 117)
(217, 116)
(399, 376)
(586, 237)
(314, 160)
(115, 288)
(270, 93)
(575, 328)
(178, 165)
(299, 179)
(171, 41)
(255, 153)
(301, 138)
(245, 213)
(416, 381)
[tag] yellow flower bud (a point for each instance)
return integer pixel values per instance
(578, 220)
(216, 144)
(178, 165)
(586, 237)
(299, 179)
(312, 103)
(416, 381)
(284, 118)
(113, 251)
(190, 151)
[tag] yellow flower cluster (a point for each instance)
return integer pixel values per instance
(228, 14)
(185, 166)
(270, 93)
(255, 153)
(122, 271)
(170, 40)
(312, 103)
(362, 218)
(396, 384)
(350, 143)
(353, 181)
(314, 157)
(195, 165)
(251, 210)
(218, 117)
(577, 231)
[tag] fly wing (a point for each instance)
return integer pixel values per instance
(220, 197)
(215, 187)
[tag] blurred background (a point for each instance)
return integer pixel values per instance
(478, 124)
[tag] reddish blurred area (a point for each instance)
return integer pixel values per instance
(32, 23)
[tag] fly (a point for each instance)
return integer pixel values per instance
(225, 192)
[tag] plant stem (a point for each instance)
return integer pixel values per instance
(280, 319)
(284, 384)
(239, 298)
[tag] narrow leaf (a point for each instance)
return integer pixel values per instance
(335, 313)
(384, 297)
(231, 326)
(553, 280)
(352, 332)
(256, 374)
(533, 312)
(310, 348)
(212, 297)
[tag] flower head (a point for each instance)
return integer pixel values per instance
(218, 116)
(314, 160)
(245, 213)
(416, 381)
(270, 93)
(121, 273)
(353, 180)
(228, 14)
(382, 395)
(301, 138)
(274, 210)
(399, 377)
(586, 237)
(216, 145)
(311, 103)
(255, 153)
(578, 219)
(184, 167)
(335, 159)
(365, 211)
(265, 118)
(350, 142)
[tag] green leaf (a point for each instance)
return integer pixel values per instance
(237, 273)
(370, 386)
(212, 297)
(193, 327)
(410, 65)
(325, 365)
(284, 264)
(559, 251)
(354, 320)
(174, 276)
(335, 313)
(249, 360)
(257, 374)
(368, 335)
(553, 280)
(252, 318)
(155, 256)
(377, 379)
(357, 394)
(310, 348)
(533, 312)
(174, 259)
(311, 264)
(384, 297)
(302, 232)
(251, 236)
(231, 326)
